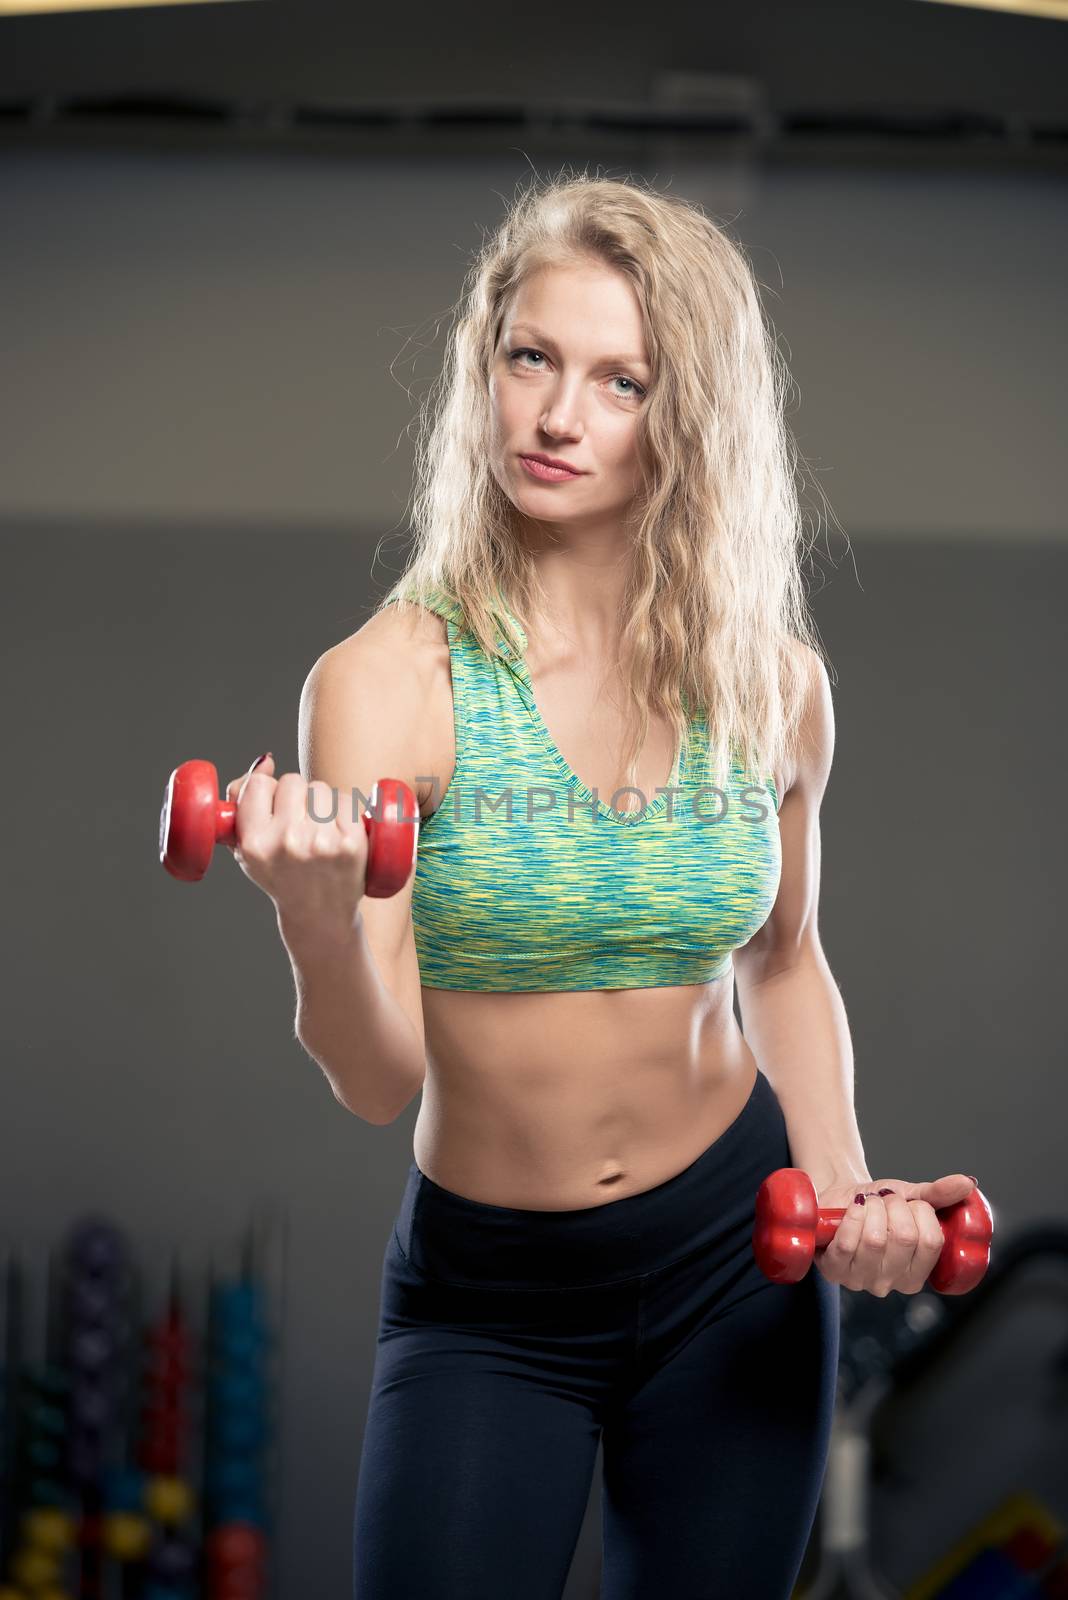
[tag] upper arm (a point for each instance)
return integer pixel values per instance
(791, 930)
(362, 712)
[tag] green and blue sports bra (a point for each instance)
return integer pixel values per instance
(526, 880)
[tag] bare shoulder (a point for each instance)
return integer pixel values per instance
(399, 645)
(402, 626)
(364, 704)
(404, 620)
(812, 747)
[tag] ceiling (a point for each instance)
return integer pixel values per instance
(826, 74)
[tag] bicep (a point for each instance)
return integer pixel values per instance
(791, 929)
(360, 720)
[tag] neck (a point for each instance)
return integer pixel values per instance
(585, 591)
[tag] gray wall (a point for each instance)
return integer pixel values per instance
(235, 337)
(203, 446)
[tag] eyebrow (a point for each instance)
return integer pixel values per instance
(545, 338)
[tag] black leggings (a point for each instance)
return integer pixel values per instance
(511, 1342)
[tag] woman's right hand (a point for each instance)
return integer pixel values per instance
(314, 871)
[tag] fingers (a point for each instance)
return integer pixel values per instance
(311, 818)
(322, 806)
(305, 820)
(841, 1259)
(256, 802)
(898, 1267)
(930, 1244)
(886, 1243)
(236, 785)
(254, 794)
(349, 819)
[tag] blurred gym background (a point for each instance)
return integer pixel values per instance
(231, 236)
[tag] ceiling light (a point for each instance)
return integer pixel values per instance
(13, 8)
(1055, 10)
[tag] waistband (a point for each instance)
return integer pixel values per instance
(459, 1240)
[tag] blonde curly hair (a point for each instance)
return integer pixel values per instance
(716, 620)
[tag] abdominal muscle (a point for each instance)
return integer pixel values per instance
(560, 1100)
(564, 1100)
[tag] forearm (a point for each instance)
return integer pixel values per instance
(794, 1022)
(350, 1023)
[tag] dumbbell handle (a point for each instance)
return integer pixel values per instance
(791, 1226)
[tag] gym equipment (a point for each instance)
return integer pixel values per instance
(791, 1226)
(40, 1520)
(1020, 1548)
(100, 1492)
(166, 1374)
(11, 1334)
(240, 1384)
(194, 820)
(887, 1346)
(97, 1309)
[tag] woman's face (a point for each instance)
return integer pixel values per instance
(569, 380)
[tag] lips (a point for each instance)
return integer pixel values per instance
(550, 461)
(539, 468)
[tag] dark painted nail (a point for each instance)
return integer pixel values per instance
(887, 1191)
(858, 1200)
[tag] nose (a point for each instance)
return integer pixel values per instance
(560, 419)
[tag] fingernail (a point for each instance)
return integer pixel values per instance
(886, 1191)
(858, 1199)
(258, 759)
(974, 1180)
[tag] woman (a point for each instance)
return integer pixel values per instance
(571, 1262)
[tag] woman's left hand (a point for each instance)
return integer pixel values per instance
(893, 1240)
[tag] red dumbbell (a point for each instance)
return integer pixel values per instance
(194, 820)
(791, 1226)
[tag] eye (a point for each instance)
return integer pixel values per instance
(619, 377)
